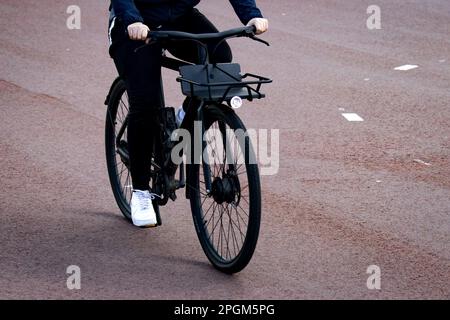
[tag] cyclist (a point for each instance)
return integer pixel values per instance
(141, 71)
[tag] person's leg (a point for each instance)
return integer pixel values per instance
(141, 71)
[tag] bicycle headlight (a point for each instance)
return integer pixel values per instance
(236, 102)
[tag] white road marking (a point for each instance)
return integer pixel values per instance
(378, 181)
(422, 162)
(406, 67)
(366, 79)
(341, 109)
(352, 117)
(442, 60)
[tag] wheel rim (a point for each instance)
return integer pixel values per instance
(225, 209)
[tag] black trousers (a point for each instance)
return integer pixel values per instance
(141, 71)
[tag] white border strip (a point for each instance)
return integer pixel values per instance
(406, 67)
(352, 117)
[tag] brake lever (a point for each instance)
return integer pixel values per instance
(148, 42)
(253, 37)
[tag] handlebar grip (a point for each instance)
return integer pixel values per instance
(251, 29)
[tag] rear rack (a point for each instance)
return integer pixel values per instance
(220, 82)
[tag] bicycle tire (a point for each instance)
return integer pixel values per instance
(231, 264)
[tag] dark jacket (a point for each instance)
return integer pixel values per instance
(161, 11)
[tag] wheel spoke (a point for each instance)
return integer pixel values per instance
(213, 224)
(234, 239)
(204, 216)
(244, 188)
(220, 243)
(202, 193)
(239, 227)
(217, 223)
(244, 198)
(242, 210)
(228, 236)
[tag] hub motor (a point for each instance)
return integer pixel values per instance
(226, 189)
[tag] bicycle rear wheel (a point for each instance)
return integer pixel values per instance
(117, 160)
(227, 217)
(116, 147)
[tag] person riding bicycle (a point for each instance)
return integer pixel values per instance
(140, 68)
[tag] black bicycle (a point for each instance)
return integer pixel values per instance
(222, 180)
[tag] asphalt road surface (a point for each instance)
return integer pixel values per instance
(347, 195)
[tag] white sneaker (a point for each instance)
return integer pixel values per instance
(142, 211)
(180, 116)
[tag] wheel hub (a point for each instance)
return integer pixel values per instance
(224, 189)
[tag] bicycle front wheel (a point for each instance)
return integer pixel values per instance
(227, 210)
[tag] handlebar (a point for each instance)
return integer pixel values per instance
(161, 35)
(178, 35)
(232, 33)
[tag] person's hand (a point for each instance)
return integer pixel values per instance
(260, 24)
(138, 31)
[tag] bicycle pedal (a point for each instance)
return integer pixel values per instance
(181, 184)
(176, 183)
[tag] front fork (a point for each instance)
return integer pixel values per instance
(194, 116)
(203, 155)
